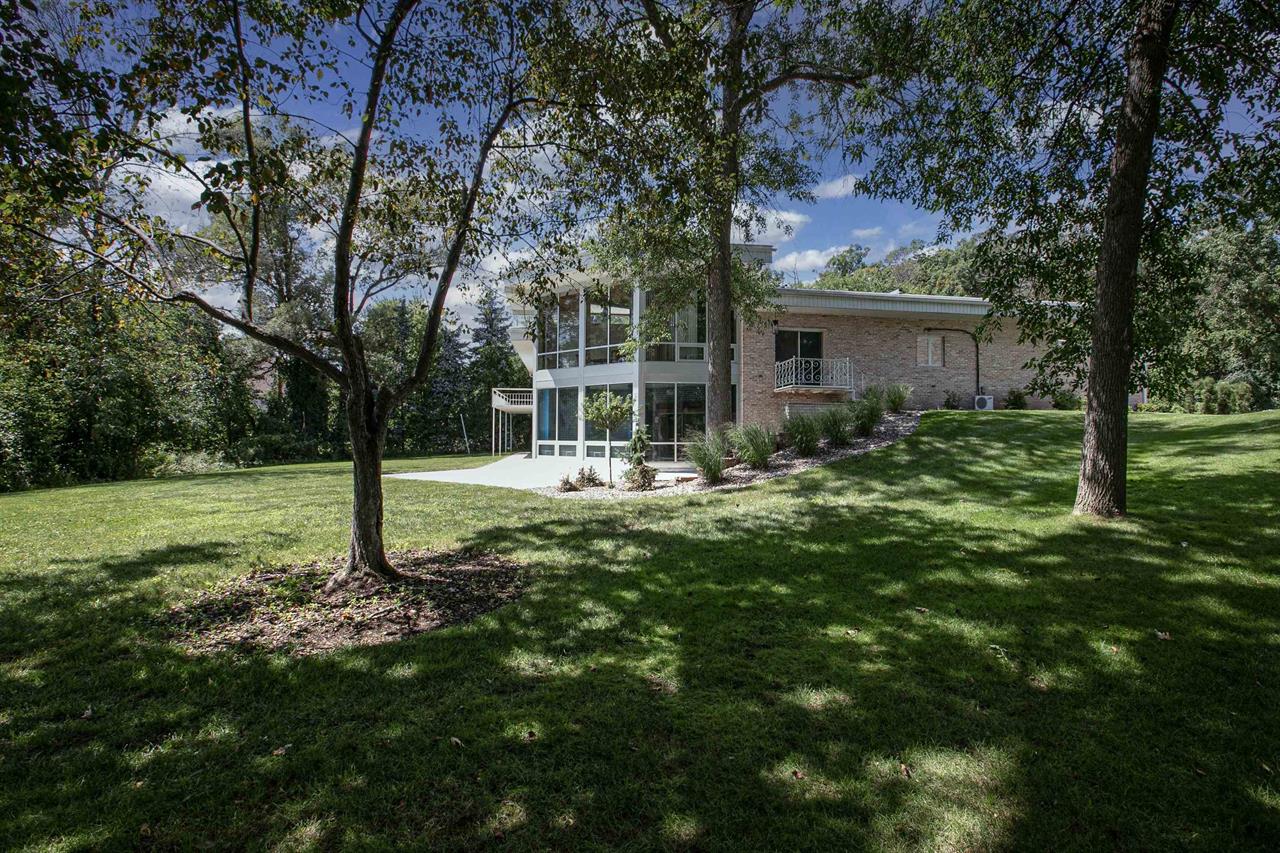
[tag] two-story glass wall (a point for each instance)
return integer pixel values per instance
(579, 337)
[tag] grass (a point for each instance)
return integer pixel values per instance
(915, 649)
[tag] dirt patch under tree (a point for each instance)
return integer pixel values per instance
(286, 608)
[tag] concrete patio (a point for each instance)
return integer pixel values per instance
(522, 471)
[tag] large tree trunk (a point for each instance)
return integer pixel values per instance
(367, 563)
(720, 327)
(1103, 460)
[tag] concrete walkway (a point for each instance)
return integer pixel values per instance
(521, 471)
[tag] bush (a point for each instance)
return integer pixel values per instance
(1015, 398)
(804, 432)
(707, 451)
(836, 426)
(896, 396)
(1211, 396)
(753, 443)
(640, 475)
(1067, 401)
(587, 477)
(951, 400)
(876, 394)
(567, 484)
(866, 415)
(166, 462)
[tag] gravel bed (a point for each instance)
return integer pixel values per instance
(785, 462)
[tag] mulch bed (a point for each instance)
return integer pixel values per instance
(783, 463)
(286, 608)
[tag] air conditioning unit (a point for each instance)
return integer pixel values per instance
(984, 403)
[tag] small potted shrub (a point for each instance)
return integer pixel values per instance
(753, 444)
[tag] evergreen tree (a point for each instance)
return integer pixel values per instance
(494, 364)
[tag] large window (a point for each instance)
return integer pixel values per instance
(673, 411)
(557, 421)
(687, 334)
(608, 325)
(558, 333)
(803, 345)
(620, 434)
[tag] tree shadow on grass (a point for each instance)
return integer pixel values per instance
(806, 671)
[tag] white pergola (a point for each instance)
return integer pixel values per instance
(503, 404)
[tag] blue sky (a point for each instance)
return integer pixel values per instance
(838, 219)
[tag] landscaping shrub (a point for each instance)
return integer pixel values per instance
(1067, 401)
(804, 432)
(1210, 396)
(876, 393)
(753, 443)
(951, 400)
(640, 475)
(567, 484)
(896, 396)
(1015, 398)
(587, 477)
(836, 426)
(707, 452)
(866, 415)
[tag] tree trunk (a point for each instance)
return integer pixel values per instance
(367, 563)
(720, 328)
(1103, 459)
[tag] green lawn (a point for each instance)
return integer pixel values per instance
(917, 649)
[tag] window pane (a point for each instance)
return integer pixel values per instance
(546, 414)
(661, 352)
(567, 338)
(619, 314)
(546, 450)
(785, 345)
(598, 355)
(660, 411)
(662, 453)
(567, 415)
(545, 330)
(701, 331)
(567, 359)
(593, 432)
(623, 431)
(595, 451)
(810, 344)
(691, 409)
(597, 322)
(691, 353)
(568, 450)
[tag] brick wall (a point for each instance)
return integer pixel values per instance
(884, 349)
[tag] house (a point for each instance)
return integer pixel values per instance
(821, 347)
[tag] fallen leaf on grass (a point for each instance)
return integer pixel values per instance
(904, 770)
(455, 741)
(1163, 635)
(922, 610)
(281, 750)
(797, 774)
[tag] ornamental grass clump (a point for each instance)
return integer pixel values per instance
(836, 426)
(804, 432)
(896, 396)
(866, 415)
(707, 452)
(753, 443)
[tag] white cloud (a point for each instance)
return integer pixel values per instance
(918, 228)
(778, 226)
(866, 233)
(837, 187)
(807, 260)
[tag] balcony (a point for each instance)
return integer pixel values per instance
(813, 374)
(514, 400)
